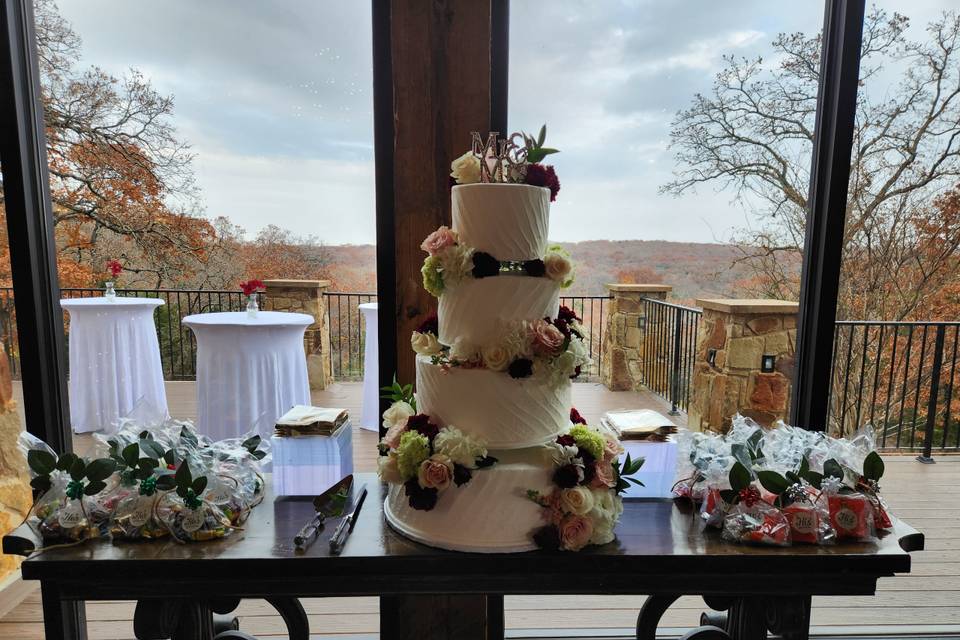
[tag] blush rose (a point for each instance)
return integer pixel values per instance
(439, 240)
(547, 339)
(575, 532)
(436, 472)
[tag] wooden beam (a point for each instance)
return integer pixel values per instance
(440, 91)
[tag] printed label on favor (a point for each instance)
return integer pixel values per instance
(70, 516)
(803, 522)
(846, 518)
(218, 493)
(193, 520)
(141, 511)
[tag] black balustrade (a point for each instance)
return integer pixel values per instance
(668, 349)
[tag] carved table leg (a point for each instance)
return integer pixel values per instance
(294, 617)
(62, 618)
(789, 617)
(650, 614)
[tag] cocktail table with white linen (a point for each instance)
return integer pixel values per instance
(250, 370)
(114, 362)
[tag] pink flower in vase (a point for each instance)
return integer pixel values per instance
(251, 287)
(115, 268)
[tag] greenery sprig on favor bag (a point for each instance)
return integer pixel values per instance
(188, 487)
(86, 478)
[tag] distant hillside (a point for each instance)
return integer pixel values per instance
(694, 269)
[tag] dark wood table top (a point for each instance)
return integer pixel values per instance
(660, 548)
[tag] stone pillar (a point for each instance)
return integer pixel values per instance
(306, 296)
(733, 339)
(623, 338)
(15, 495)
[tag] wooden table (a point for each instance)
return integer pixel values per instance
(427, 593)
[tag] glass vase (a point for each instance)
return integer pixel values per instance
(252, 306)
(110, 294)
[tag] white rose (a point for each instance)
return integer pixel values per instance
(388, 470)
(425, 344)
(604, 502)
(397, 414)
(464, 351)
(466, 169)
(497, 357)
(603, 525)
(459, 447)
(558, 266)
(578, 500)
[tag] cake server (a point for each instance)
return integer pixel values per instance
(328, 504)
(345, 528)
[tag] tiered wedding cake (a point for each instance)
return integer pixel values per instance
(485, 456)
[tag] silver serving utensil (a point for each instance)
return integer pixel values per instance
(328, 504)
(345, 528)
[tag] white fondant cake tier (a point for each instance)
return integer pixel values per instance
(505, 412)
(476, 310)
(489, 514)
(508, 221)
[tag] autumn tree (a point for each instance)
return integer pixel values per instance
(752, 133)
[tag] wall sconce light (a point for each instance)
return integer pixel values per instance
(712, 357)
(767, 363)
(642, 323)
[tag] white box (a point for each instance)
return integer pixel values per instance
(308, 465)
(658, 470)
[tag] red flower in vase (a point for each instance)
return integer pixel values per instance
(114, 267)
(250, 287)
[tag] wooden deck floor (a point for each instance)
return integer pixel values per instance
(927, 600)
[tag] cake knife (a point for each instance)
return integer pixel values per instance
(345, 528)
(328, 504)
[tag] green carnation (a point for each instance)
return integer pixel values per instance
(432, 276)
(413, 449)
(588, 440)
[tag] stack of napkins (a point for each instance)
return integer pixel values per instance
(304, 420)
(639, 424)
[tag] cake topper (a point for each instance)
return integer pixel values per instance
(501, 159)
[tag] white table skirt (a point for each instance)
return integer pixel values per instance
(250, 371)
(370, 408)
(115, 367)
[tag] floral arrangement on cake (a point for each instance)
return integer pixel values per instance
(551, 349)
(423, 457)
(784, 486)
(585, 504)
(450, 262)
(509, 161)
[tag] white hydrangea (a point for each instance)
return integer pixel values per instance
(461, 448)
(456, 263)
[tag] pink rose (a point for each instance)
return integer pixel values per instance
(547, 339)
(611, 449)
(575, 532)
(603, 475)
(392, 437)
(436, 472)
(439, 240)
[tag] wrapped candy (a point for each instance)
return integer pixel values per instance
(135, 517)
(851, 515)
(756, 522)
(188, 521)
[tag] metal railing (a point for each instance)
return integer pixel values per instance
(668, 346)
(592, 311)
(898, 377)
(347, 333)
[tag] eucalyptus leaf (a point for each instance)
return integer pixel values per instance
(728, 495)
(773, 481)
(130, 454)
(873, 466)
(742, 455)
(65, 461)
(832, 468)
(41, 462)
(183, 476)
(101, 469)
(739, 477)
(41, 483)
(143, 473)
(95, 487)
(815, 479)
(169, 457)
(199, 484)
(147, 463)
(166, 482)
(151, 448)
(77, 469)
(804, 467)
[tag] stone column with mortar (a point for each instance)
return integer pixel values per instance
(622, 354)
(730, 376)
(15, 494)
(306, 296)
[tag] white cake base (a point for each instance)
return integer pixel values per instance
(504, 412)
(489, 514)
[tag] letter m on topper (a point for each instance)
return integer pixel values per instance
(485, 152)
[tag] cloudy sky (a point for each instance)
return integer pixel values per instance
(275, 99)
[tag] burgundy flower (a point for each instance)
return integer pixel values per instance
(422, 425)
(420, 498)
(547, 537)
(589, 469)
(567, 314)
(535, 268)
(562, 325)
(430, 324)
(521, 368)
(461, 475)
(566, 476)
(575, 418)
(544, 176)
(576, 374)
(567, 439)
(485, 265)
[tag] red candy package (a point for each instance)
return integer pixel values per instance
(713, 509)
(759, 523)
(852, 516)
(805, 523)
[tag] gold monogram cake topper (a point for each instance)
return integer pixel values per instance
(501, 159)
